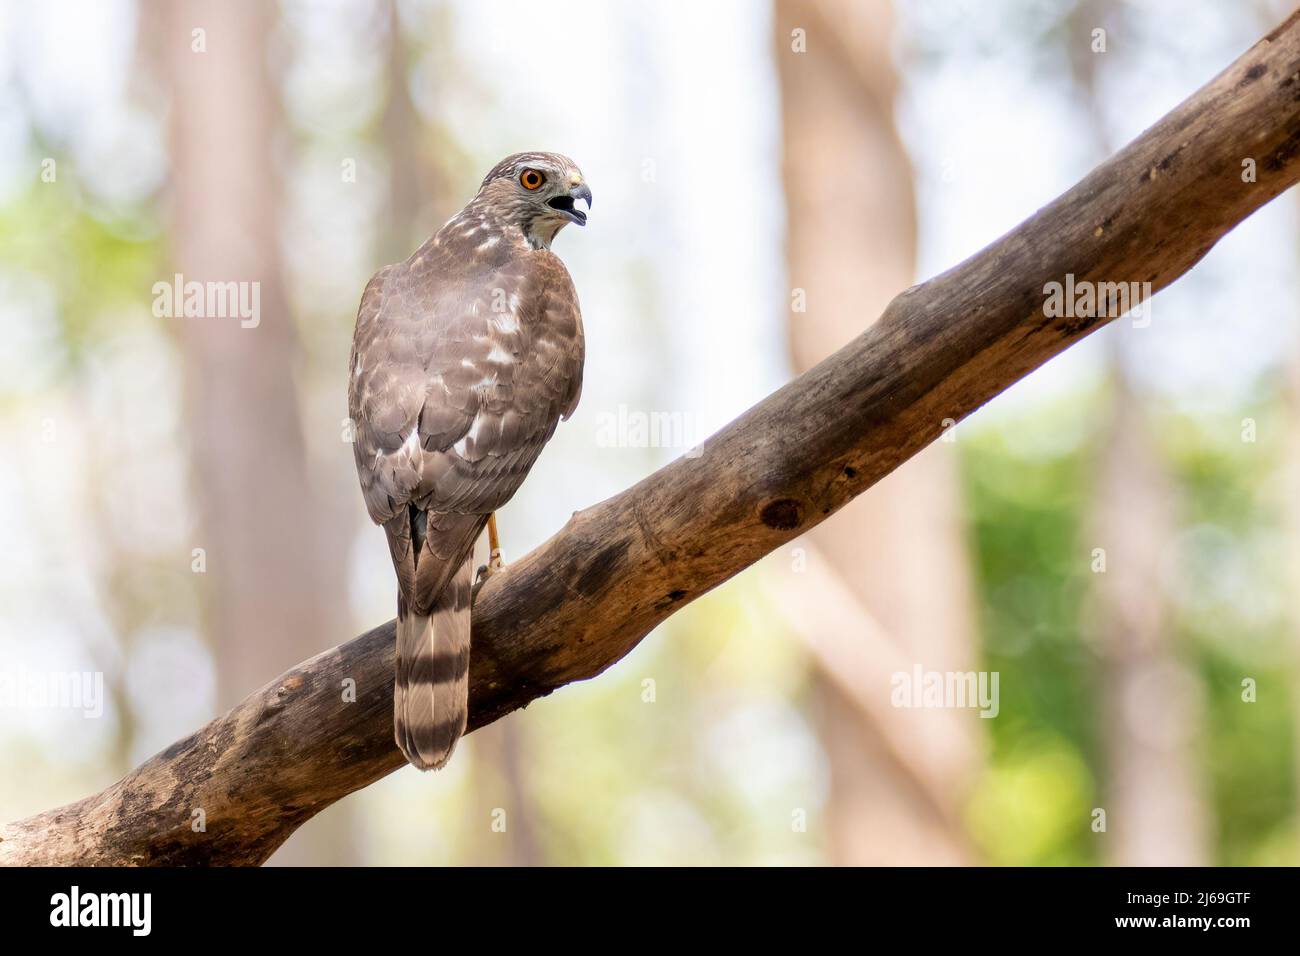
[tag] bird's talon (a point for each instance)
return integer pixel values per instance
(480, 578)
(485, 571)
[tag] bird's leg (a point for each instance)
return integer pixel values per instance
(494, 557)
(494, 545)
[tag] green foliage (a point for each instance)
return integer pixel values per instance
(1228, 618)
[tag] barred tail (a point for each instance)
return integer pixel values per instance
(431, 689)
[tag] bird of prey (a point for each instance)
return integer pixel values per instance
(465, 358)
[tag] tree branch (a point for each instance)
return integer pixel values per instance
(586, 597)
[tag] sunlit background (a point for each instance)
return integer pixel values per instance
(1118, 537)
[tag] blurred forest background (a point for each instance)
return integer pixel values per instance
(756, 206)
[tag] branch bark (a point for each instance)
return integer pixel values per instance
(586, 597)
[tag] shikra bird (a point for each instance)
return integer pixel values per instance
(465, 358)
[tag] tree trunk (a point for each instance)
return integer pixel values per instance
(1150, 701)
(272, 584)
(851, 247)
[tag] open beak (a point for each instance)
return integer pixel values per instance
(569, 204)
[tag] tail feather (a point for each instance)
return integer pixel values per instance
(431, 689)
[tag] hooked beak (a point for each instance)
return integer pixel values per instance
(567, 204)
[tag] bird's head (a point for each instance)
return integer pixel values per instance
(539, 192)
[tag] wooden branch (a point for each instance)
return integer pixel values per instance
(585, 598)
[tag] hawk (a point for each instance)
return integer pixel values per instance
(465, 358)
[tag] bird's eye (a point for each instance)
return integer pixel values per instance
(530, 179)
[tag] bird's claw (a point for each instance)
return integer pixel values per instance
(485, 571)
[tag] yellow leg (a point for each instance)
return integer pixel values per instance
(494, 558)
(494, 545)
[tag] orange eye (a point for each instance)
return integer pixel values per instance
(531, 179)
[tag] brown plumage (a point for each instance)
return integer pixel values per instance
(465, 358)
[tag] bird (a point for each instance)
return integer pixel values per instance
(465, 358)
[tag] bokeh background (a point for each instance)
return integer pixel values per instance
(1118, 536)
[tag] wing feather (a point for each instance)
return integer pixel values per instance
(459, 376)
